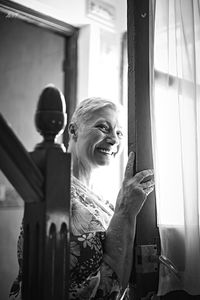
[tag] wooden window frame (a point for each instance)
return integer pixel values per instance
(139, 135)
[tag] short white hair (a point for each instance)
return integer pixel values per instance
(88, 106)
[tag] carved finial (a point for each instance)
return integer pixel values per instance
(50, 117)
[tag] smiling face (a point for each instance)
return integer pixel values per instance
(100, 138)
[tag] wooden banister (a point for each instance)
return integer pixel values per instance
(18, 167)
(42, 178)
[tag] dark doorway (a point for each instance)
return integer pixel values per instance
(30, 58)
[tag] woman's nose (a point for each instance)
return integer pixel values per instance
(113, 138)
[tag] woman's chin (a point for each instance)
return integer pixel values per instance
(104, 159)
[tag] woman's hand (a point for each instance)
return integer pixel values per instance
(134, 190)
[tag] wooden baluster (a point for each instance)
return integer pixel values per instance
(46, 223)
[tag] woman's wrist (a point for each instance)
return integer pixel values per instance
(118, 245)
(124, 215)
(122, 222)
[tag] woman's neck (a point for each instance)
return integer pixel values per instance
(81, 169)
(83, 173)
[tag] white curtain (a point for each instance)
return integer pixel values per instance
(175, 117)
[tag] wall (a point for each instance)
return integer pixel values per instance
(30, 58)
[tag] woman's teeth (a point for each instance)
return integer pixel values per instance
(105, 151)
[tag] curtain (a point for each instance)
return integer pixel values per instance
(175, 121)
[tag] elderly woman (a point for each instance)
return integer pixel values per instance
(101, 243)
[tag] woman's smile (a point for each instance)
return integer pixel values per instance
(105, 151)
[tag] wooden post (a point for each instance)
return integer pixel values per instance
(46, 223)
(42, 178)
(144, 280)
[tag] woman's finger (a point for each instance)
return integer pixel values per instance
(129, 167)
(142, 175)
(148, 190)
(147, 184)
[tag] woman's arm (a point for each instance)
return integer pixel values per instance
(119, 247)
(121, 231)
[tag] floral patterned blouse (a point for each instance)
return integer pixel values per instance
(90, 277)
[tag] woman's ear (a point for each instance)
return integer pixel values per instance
(73, 130)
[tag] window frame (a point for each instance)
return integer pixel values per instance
(139, 135)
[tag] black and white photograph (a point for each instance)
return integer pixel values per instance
(100, 150)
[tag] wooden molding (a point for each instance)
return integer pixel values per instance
(16, 10)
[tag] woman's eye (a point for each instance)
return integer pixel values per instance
(120, 134)
(103, 127)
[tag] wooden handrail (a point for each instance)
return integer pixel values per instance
(18, 167)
